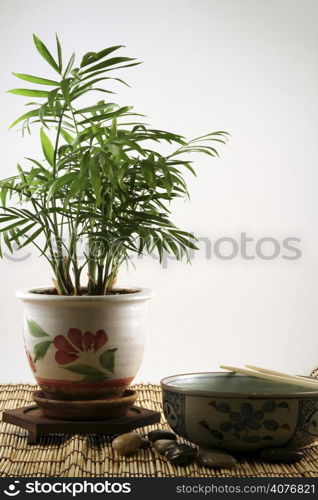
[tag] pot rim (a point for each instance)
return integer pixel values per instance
(228, 395)
(28, 295)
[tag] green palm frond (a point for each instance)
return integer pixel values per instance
(102, 177)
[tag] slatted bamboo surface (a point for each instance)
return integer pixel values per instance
(92, 456)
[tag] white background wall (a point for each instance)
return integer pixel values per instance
(245, 66)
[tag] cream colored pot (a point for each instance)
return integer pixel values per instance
(84, 347)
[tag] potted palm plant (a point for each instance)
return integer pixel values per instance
(101, 191)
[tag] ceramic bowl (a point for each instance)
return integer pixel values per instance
(239, 412)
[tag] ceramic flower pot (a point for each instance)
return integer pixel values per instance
(84, 347)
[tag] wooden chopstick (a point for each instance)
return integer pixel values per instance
(273, 378)
(297, 378)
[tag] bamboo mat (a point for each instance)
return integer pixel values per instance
(92, 456)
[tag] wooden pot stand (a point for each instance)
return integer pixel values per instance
(32, 419)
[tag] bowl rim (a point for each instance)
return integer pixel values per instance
(246, 395)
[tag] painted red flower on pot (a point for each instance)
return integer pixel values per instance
(76, 343)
